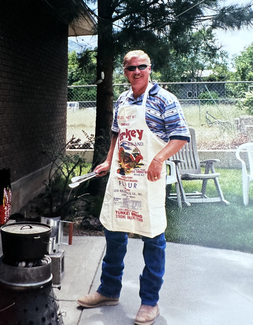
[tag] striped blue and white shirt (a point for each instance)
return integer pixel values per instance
(164, 115)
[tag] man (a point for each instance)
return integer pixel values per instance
(148, 128)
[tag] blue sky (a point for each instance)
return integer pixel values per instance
(235, 41)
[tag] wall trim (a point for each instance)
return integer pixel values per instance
(27, 188)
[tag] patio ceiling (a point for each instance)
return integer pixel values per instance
(84, 25)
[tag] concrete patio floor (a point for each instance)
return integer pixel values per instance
(202, 286)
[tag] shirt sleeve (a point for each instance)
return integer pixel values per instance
(115, 127)
(164, 115)
(175, 123)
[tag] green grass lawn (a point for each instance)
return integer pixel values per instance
(214, 224)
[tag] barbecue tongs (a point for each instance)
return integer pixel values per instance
(76, 181)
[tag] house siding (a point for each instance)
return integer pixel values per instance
(33, 91)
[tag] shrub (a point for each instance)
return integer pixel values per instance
(58, 197)
(247, 102)
(208, 97)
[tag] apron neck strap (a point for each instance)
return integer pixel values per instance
(146, 94)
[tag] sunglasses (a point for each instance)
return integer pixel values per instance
(133, 67)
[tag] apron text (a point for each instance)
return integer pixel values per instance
(129, 134)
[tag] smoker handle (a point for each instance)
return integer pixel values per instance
(30, 227)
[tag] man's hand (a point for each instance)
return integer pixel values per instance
(154, 170)
(102, 169)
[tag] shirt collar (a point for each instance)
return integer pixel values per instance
(153, 91)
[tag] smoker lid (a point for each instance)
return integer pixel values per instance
(24, 228)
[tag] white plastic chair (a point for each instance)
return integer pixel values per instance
(247, 169)
(171, 178)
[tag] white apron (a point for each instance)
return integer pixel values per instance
(132, 203)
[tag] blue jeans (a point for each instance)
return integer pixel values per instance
(113, 265)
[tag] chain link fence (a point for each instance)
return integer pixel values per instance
(214, 109)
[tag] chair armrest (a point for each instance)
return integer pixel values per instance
(209, 161)
(172, 177)
(177, 161)
(240, 159)
(209, 165)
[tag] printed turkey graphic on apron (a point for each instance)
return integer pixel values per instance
(132, 203)
(128, 160)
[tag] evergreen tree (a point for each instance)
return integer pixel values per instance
(154, 26)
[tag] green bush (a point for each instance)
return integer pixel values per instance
(247, 102)
(208, 98)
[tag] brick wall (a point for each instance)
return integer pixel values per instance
(33, 85)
